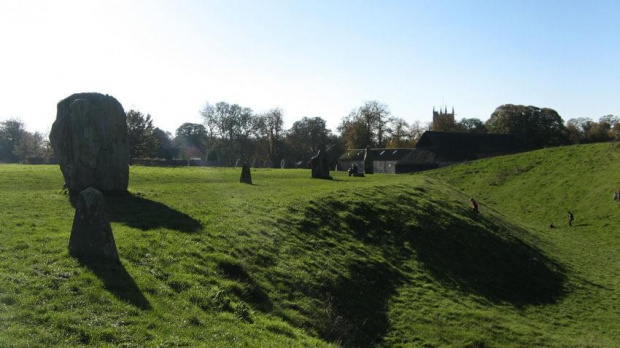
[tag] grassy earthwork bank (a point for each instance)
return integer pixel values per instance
(383, 260)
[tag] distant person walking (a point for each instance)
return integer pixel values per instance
(570, 218)
(474, 205)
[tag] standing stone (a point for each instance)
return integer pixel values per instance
(320, 165)
(89, 138)
(246, 176)
(368, 165)
(91, 235)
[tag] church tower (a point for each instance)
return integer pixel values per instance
(442, 118)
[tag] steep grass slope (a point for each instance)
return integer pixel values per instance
(289, 261)
(540, 187)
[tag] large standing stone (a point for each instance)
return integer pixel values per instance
(89, 138)
(246, 176)
(368, 162)
(91, 235)
(320, 165)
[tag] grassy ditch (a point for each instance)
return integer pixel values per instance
(289, 261)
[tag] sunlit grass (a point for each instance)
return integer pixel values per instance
(292, 261)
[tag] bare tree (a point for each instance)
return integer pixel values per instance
(270, 129)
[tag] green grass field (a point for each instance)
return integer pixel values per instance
(289, 261)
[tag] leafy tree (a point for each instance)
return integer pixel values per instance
(142, 141)
(615, 132)
(538, 127)
(366, 126)
(574, 132)
(305, 137)
(599, 132)
(610, 125)
(471, 125)
(191, 140)
(29, 146)
(165, 147)
(585, 130)
(11, 132)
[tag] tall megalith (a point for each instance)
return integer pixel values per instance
(246, 176)
(91, 235)
(320, 165)
(89, 138)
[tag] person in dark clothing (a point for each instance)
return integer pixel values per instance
(570, 218)
(353, 170)
(474, 205)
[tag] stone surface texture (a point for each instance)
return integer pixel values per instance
(89, 138)
(91, 235)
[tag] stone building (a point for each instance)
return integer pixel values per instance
(383, 160)
(442, 118)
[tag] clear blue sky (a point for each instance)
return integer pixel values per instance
(311, 58)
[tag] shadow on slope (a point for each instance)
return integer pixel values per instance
(251, 292)
(118, 281)
(145, 214)
(479, 255)
(486, 259)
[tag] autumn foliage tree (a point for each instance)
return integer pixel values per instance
(585, 130)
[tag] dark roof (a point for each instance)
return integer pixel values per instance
(470, 142)
(419, 156)
(377, 154)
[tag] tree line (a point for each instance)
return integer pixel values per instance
(541, 127)
(231, 134)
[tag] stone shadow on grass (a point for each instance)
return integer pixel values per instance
(145, 214)
(118, 281)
